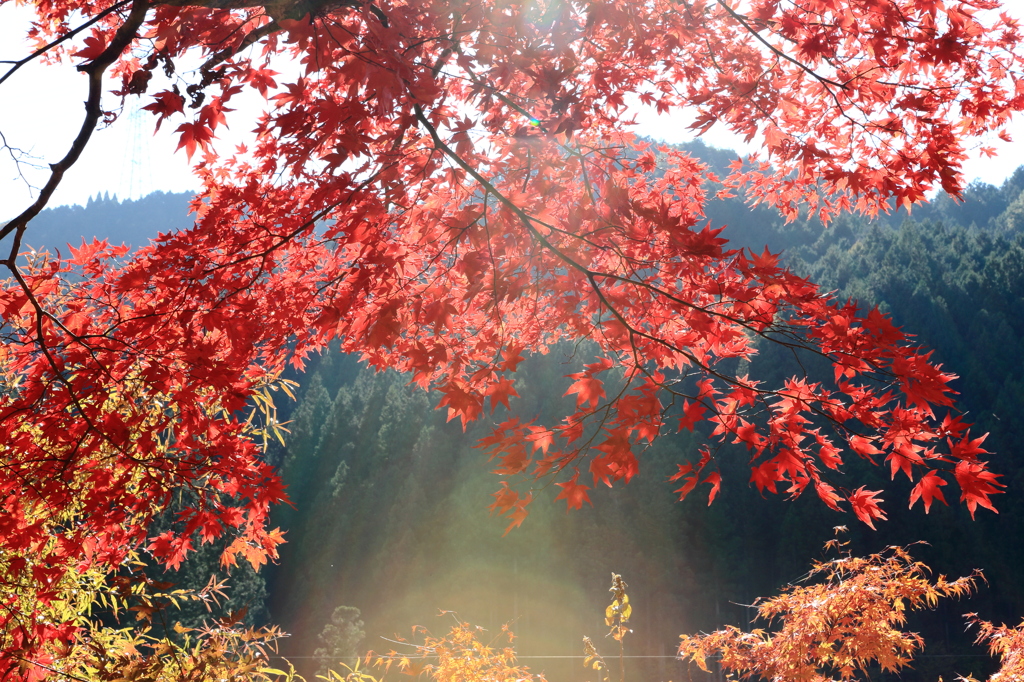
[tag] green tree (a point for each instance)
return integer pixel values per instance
(340, 638)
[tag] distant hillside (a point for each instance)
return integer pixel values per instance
(131, 222)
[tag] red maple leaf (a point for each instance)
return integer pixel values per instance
(511, 357)
(500, 391)
(504, 499)
(588, 390)
(828, 495)
(927, 489)
(967, 449)
(574, 493)
(193, 136)
(95, 44)
(977, 484)
(692, 413)
(715, 479)
(864, 504)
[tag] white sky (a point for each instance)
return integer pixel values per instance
(40, 112)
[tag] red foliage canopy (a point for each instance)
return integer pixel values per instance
(452, 184)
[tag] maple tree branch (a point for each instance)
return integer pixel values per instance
(589, 274)
(634, 332)
(228, 52)
(750, 29)
(286, 238)
(771, 333)
(17, 64)
(285, 9)
(592, 275)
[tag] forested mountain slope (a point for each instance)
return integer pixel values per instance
(390, 500)
(131, 222)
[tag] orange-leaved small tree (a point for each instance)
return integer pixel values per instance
(1006, 643)
(459, 656)
(848, 617)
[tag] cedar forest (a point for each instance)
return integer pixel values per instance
(449, 208)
